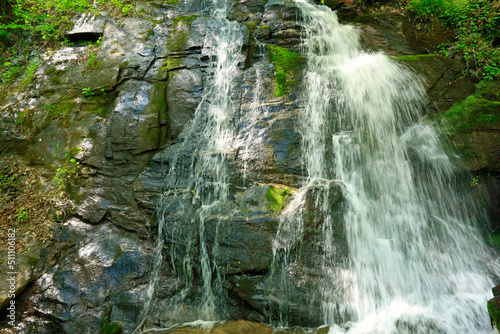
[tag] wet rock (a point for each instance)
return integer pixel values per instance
(281, 18)
(230, 327)
(440, 79)
(397, 34)
(246, 10)
(248, 232)
(473, 125)
(134, 122)
(494, 311)
(101, 276)
(184, 92)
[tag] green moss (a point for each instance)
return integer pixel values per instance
(175, 2)
(286, 63)
(185, 19)
(363, 18)
(123, 65)
(118, 253)
(33, 261)
(495, 240)
(111, 328)
(489, 90)
(494, 312)
(102, 111)
(63, 106)
(277, 198)
(475, 112)
(172, 63)
(414, 57)
(181, 28)
(251, 26)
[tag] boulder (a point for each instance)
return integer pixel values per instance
(86, 27)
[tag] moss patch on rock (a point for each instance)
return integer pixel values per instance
(110, 328)
(277, 198)
(181, 28)
(286, 63)
(478, 111)
(494, 240)
(471, 126)
(494, 311)
(171, 64)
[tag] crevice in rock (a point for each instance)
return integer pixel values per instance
(84, 38)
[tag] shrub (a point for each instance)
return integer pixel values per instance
(476, 24)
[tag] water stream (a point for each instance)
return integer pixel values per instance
(417, 260)
(197, 179)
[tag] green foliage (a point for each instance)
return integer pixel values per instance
(124, 8)
(29, 74)
(22, 215)
(277, 198)
(88, 92)
(66, 174)
(286, 63)
(21, 116)
(110, 328)
(61, 107)
(477, 111)
(494, 240)
(8, 182)
(475, 23)
(92, 62)
(47, 19)
(11, 72)
(494, 311)
(474, 182)
(44, 22)
(118, 253)
(33, 261)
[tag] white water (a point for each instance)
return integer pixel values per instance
(417, 261)
(197, 181)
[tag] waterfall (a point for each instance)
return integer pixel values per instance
(416, 260)
(197, 184)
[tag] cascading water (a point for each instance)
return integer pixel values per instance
(197, 180)
(417, 262)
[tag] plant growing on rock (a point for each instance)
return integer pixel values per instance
(476, 24)
(29, 74)
(87, 92)
(22, 215)
(66, 174)
(277, 198)
(285, 63)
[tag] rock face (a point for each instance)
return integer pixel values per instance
(120, 111)
(494, 307)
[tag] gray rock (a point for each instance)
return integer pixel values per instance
(184, 92)
(15, 279)
(102, 262)
(87, 25)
